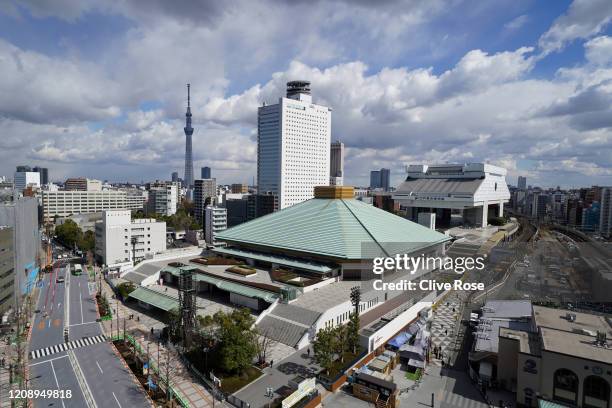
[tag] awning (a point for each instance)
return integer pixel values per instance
(416, 363)
(399, 340)
(154, 298)
(229, 286)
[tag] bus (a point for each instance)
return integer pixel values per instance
(78, 270)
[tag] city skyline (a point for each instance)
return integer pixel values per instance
(530, 97)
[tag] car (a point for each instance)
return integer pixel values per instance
(60, 279)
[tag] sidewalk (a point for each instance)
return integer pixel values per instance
(140, 326)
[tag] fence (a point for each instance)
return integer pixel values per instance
(237, 402)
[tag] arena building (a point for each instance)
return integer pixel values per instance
(470, 188)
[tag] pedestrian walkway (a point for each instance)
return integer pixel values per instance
(444, 324)
(48, 351)
(182, 380)
(451, 400)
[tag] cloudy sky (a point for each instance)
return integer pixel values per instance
(98, 88)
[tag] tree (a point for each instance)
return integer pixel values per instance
(68, 233)
(237, 340)
(352, 335)
(262, 345)
(87, 241)
(340, 337)
(353, 325)
(323, 346)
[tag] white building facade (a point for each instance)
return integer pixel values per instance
(24, 179)
(163, 198)
(441, 188)
(293, 146)
(66, 203)
(215, 221)
(121, 241)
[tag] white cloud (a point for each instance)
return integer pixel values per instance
(517, 22)
(599, 50)
(583, 19)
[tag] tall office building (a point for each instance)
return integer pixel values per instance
(522, 183)
(380, 179)
(175, 176)
(24, 179)
(605, 215)
(293, 146)
(44, 175)
(188, 179)
(204, 194)
(205, 172)
(336, 164)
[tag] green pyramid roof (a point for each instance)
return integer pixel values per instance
(338, 228)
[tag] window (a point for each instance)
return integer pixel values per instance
(596, 392)
(565, 386)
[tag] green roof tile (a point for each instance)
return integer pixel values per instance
(339, 228)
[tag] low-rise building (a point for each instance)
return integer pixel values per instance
(120, 240)
(82, 184)
(66, 203)
(553, 354)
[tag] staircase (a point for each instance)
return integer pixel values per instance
(462, 249)
(287, 324)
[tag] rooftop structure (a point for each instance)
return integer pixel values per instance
(332, 227)
(470, 188)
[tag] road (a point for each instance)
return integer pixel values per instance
(104, 375)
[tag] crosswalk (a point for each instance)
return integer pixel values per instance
(85, 341)
(458, 401)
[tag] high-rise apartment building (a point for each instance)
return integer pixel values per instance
(336, 164)
(215, 222)
(204, 194)
(522, 183)
(205, 172)
(163, 198)
(293, 146)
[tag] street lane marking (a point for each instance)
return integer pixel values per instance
(117, 400)
(56, 382)
(80, 324)
(49, 360)
(85, 341)
(99, 368)
(81, 302)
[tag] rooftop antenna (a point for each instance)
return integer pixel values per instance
(188, 96)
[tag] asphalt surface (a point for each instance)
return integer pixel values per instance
(108, 379)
